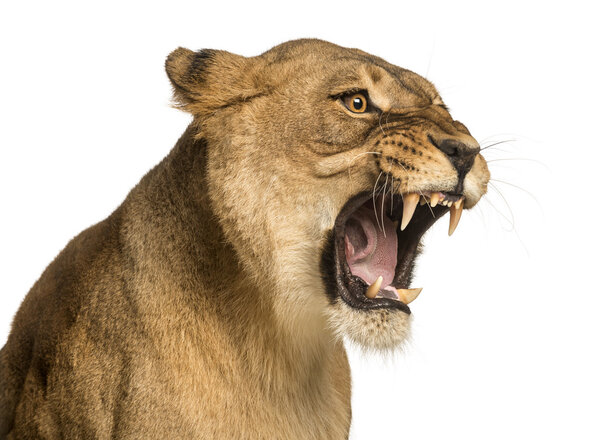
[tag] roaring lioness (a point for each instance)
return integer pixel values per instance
(213, 303)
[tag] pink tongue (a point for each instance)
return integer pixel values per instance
(371, 251)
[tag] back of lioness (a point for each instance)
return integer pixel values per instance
(214, 301)
(119, 338)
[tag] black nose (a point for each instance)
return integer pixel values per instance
(460, 154)
(451, 147)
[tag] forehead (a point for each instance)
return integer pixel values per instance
(388, 86)
(337, 70)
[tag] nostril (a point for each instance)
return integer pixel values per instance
(451, 147)
(460, 154)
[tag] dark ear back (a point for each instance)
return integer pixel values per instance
(209, 79)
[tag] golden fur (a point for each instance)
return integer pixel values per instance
(198, 309)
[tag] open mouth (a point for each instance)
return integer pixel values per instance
(375, 243)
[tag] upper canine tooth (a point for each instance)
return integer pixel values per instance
(408, 295)
(410, 204)
(373, 289)
(435, 198)
(455, 213)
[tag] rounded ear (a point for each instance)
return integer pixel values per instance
(183, 68)
(208, 79)
(177, 64)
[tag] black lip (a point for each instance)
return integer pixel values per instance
(351, 289)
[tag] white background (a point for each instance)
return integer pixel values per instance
(505, 341)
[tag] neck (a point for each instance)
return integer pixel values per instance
(196, 276)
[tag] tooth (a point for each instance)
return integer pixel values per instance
(373, 289)
(410, 204)
(455, 213)
(422, 201)
(408, 295)
(435, 198)
(449, 202)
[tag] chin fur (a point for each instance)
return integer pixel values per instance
(380, 329)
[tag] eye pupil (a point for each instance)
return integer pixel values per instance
(357, 103)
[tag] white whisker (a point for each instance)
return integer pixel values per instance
(382, 130)
(512, 216)
(374, 190)
(392, 192)
(530, 194)
(362, 154)
(383, 203)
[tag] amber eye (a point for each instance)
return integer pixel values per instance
(356, 103)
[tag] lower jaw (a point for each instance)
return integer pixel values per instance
(372, 329)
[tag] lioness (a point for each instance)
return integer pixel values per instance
(214, 301)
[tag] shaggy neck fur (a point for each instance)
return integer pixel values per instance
(187, 251)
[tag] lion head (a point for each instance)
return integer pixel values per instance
(326, 166)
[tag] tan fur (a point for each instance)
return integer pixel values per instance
(198, 309)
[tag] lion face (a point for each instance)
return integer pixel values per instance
(326, 166)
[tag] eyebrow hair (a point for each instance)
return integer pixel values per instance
(419, 91)
(410, 86)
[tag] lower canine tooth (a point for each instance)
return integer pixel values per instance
(373, 289)
(408, 295)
